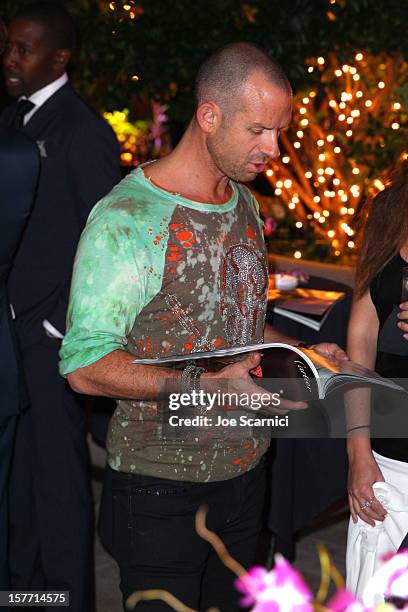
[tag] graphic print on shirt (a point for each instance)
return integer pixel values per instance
(242, 293)
(198, 341)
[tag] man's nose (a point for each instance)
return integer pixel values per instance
(270, 145)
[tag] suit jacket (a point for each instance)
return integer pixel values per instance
(79, 164)
(17, 151)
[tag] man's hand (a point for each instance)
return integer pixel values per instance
(330, 350)
(238, 380)
(403, 319)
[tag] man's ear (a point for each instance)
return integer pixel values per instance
(61, 58)
(208, 117)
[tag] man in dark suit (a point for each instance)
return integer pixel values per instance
(16, 151)
(51, 509)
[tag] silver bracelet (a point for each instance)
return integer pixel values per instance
(190, 379)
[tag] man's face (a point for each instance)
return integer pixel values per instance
(248, 138)
(29, 59)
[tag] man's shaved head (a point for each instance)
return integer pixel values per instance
(228, 69)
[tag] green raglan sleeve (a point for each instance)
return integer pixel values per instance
(108, 288)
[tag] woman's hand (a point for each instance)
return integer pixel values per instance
(363, 473)
(403, 318)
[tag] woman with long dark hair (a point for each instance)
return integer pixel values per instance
(376, 339)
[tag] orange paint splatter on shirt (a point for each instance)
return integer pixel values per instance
(250, 232)
(186, 238)
(189, 345)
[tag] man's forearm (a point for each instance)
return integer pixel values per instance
(114, 375)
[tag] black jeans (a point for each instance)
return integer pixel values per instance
(147, 524)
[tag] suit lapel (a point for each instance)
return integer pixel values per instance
(42, 117)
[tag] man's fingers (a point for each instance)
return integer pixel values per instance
(286, 404)
(330, 350)
(251, 361)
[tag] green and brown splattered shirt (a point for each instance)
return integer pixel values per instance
(156, 274)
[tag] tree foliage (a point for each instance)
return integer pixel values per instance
(167, 40)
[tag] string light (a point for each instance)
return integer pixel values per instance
(379, 185)
(324, 206)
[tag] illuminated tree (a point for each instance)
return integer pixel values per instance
(349, 129)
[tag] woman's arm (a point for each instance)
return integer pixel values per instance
(363, 470)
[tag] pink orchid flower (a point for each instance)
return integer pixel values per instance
(390, 582)
(270, 226)
(279, 590)
(344, 601)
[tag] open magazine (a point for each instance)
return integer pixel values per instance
(309, 307)
(301, 374)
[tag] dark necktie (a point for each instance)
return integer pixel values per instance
(23, 107)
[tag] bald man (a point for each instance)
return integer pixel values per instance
(173, 261)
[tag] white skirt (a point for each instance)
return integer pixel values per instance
(367, 545)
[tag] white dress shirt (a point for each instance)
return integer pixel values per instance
(39, 97)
